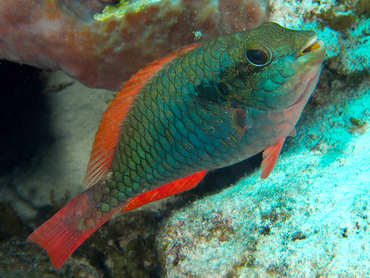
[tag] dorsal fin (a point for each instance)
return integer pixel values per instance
(270, 157)
(106, 138)
(165, 191)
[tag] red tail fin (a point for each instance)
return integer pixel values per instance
(69, 228)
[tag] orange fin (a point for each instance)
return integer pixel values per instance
(270, 157)
(65, 231)
(106, 138)
(165, 191)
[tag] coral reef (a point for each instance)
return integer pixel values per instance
(126, 246)
(123, 248)
(21, 259)
(343, 25)
(309, 219)
(86, 9)
(62, 34)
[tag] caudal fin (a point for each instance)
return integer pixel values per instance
(69, 228)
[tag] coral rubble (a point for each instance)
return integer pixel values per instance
(62, 34)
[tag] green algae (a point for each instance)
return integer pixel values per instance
(337, 22)
(360, 7)
(122, 8)
(342, 19)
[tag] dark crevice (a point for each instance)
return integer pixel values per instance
(24, 114)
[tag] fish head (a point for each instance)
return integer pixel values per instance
(274, 67)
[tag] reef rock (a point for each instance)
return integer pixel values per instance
(104, 50)
(343, 25)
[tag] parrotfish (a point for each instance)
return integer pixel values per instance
(201, 107)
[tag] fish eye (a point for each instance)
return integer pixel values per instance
(257, 57)
(258, 54)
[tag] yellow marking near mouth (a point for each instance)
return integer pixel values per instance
(315, 46)
(310, 48)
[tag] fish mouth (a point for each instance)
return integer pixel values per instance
(310, 59)
(311, 46)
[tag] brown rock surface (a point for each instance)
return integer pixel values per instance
(58, 34)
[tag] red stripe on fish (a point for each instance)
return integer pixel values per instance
(165, 191)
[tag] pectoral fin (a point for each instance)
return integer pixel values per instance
(293, 133)
(270, 157)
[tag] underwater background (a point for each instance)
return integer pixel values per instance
(310, 218)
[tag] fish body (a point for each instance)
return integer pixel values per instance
(202, 107)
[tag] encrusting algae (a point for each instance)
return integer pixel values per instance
(120, 9)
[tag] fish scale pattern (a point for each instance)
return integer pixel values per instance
(201, 107)
(170, 132)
